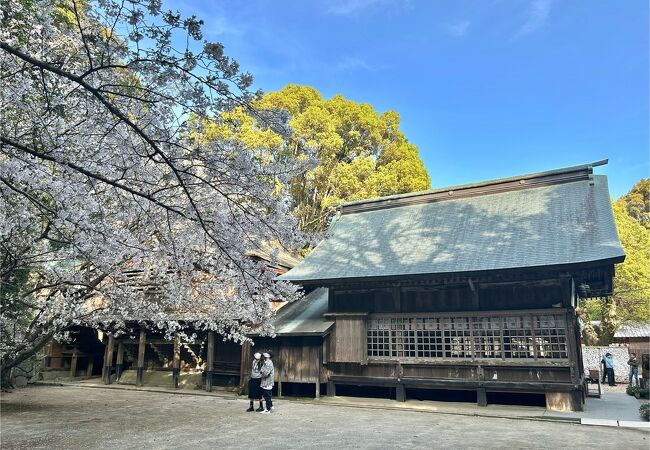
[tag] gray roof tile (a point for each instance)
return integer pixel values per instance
(555, 224)
(632, 329)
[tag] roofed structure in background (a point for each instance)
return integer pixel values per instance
(632, 329)
(552, 218)
(275, 257)
(635, 336)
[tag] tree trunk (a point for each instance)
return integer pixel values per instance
(24, 354)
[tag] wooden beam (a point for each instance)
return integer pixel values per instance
(318, 366)
(73, 365)
(108, 364)
(140, 367)
(331, 388)
(176, 363)
(119, 365)
(91, 363)
(209, 362)
(400, 393)
(397, 298)
(481, 396)
(244, 351)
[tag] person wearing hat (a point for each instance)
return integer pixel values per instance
(268, 374)
(254, 390)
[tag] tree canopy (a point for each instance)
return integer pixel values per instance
(631, 296)
(637, 202)
(360, 153)
(632, 280)
(100, 175)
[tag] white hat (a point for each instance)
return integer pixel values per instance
(266, 355)
(257, 355)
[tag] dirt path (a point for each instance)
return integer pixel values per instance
(74, 417)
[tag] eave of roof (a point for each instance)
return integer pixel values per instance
(304, 317)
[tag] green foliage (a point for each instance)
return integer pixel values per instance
(361, 153)
(632, 281)
(644, 411)
(632, 390)
(637, 202)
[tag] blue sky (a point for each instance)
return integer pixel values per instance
(485, 88)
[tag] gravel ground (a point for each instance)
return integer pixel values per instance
(74, 417)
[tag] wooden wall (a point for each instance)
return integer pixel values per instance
(348, 342)
(467, 296)
(296, 359)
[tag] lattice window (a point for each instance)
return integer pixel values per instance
(379, 338)
(403, 338)
(518, 337)
(472, 337)
(550, 334)
(429, 338)
(457, 337)
(487, 337)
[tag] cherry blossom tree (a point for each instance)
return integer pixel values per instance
(111, 208)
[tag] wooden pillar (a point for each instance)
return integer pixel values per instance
(397, 299)
(331, 388)
(47, 361)
(475, 300)
(108, 363)
(139, 378)
(573, 347)
(119, 365)
(481, 396)
(244, 354)
(279, 388)
(104, 361)
(176, 364)
(400, 392)
(73, 364)
(318, 366)
(209, 364)
(91, 363)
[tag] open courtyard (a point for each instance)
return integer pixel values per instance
(51, 417)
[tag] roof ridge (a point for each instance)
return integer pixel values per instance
(517, 182)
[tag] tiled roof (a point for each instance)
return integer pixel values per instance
(633, 330)
(495, 225)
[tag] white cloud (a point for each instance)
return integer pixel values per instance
(458, 29)
(347, 7)
(537, 16)
(353, 63)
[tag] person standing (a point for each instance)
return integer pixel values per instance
(633, 362)
(268, 373)
(608, 360)
(254, 389)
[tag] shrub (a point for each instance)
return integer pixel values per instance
(644, 411)
(632, 390)
(643, 393)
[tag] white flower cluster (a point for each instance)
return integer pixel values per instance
(111, 208)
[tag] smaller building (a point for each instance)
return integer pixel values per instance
(634, 335)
